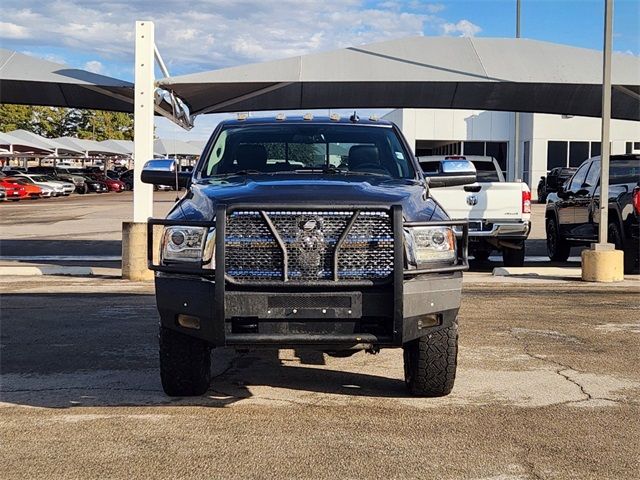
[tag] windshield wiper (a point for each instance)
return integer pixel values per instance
(238, 173)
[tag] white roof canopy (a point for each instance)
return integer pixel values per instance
(21, 145)
(170, 147)
(49, 143)
(423, 72)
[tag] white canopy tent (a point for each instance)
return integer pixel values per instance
(15, 145)
(172, 147)
(508, 74)
(56, 147)
(122, 147)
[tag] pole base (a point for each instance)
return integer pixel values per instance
(602, 264)
(134, 252)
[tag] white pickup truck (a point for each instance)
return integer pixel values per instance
(499, 212)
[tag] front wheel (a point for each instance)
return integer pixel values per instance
(557, 247)
(513, 257)
(185, 364)
(430, 363)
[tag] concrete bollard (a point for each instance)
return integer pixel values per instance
(134, 252)
(602, 263)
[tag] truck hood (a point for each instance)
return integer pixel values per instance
(298, 190)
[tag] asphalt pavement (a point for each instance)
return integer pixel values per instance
(547, 387)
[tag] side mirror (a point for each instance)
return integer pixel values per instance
(452, 173)
(164, 172)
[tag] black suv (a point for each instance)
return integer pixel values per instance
(554, 179)
(307, 232)
(572, 214)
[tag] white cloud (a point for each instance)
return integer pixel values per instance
(435, 7)
(205, 34)
(13, 31)
(463, 28)
(94, 66)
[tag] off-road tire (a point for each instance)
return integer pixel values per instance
(513, 257)
(185, 364)
(558, 248)
(430, 363)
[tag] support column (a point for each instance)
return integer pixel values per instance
(603, 263)
(134, 235)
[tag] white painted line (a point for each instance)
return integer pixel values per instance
(64, 258)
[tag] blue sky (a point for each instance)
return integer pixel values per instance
(206, 34)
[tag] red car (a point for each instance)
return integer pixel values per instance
(15, 191)
(113, 185)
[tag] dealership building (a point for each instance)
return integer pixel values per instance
(546, 141)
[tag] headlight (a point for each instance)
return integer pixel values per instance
(427, 246)
(188, 244)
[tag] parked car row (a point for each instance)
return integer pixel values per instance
(47, 182)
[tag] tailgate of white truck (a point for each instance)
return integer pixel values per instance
(488, 201)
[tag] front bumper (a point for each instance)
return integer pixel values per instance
(355, 314)
(341, 319)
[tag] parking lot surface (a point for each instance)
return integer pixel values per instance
(544, 390)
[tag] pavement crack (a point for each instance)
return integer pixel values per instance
(560, 370)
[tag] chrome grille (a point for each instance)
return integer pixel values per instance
(301, 245)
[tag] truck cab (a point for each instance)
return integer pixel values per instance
(307, 232)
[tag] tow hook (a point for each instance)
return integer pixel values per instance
(373, 350)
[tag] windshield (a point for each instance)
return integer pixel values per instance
(341, 149)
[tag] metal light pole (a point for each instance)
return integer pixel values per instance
(605, 150)
(516, 126)
(603, 263)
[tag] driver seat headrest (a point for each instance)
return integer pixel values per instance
(251, 157)
(363, 155)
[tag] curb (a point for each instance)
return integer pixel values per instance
(549, 272)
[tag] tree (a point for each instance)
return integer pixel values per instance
(103, 125)
(14, 117)
(54, 122)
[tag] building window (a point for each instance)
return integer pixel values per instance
(498, 150)
(595, 149)
(556, 154)
(636, 145)
(578, 153)
(474, 148)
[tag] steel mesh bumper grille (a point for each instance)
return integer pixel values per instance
(309, 246)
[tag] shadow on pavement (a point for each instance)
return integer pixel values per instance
(64, 350)
(29, 247)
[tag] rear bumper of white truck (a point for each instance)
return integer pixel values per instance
(499, 230)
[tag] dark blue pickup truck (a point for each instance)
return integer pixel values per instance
(308, 232)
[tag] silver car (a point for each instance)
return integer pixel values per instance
(59, 187)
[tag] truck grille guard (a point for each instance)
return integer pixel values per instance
(396, 274)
